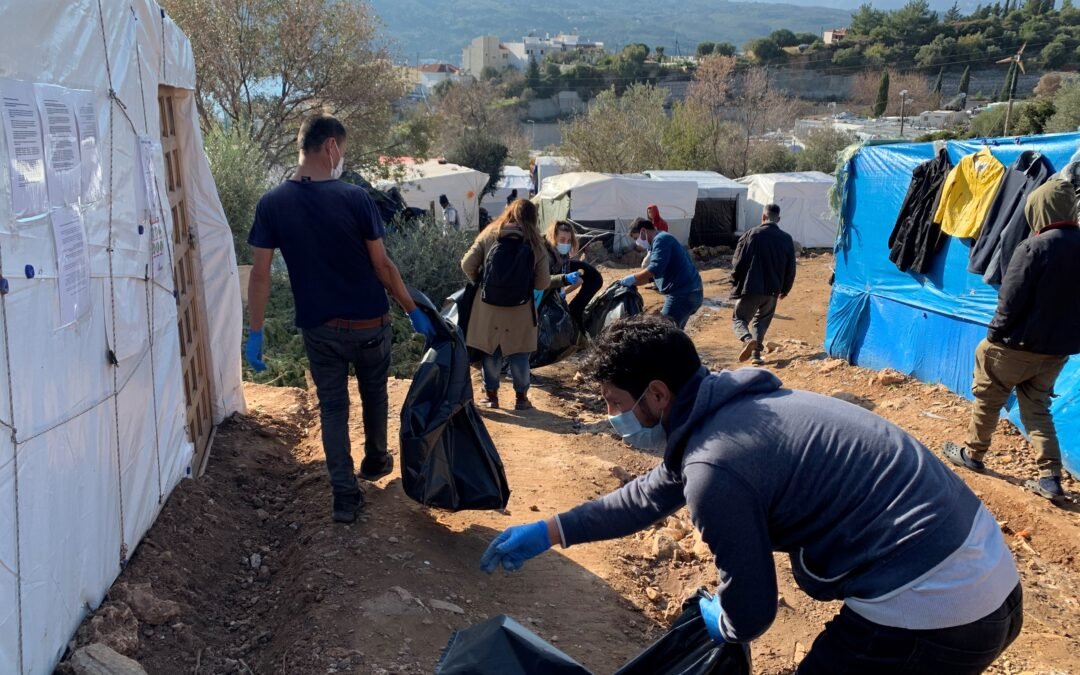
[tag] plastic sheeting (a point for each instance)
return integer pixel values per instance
(616, 302)
(558, 335)
(804, 205)
(91, 450)
(925, 326)
(421, 185)
(712, 186)
(513, 178)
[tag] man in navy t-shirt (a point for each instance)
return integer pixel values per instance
(331, 236)
(677, 278)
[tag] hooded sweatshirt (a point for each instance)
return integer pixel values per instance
(859, 505)
(653, 211)
(1038, 305)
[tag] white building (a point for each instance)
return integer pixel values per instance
(489, 52)
(831, 37)
(431, 75)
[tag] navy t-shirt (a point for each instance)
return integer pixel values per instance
(672, 267)
(322, 229)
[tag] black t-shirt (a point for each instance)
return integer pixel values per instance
(322, 229)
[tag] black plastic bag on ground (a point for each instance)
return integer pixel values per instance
(448, 459)
(616, 302)
(558, 335)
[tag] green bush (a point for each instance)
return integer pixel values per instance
(239, 170)
(821, 150)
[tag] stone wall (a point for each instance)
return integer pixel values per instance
(814, 85)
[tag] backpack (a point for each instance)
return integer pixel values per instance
(508, 273)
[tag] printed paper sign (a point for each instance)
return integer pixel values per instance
(149, 202)
(63, 168)
(72, 264)
(86, 114)
(26, 153)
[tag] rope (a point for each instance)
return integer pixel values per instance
(142, 90)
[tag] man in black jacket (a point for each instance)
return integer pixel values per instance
(764, 271)
(1034, 331)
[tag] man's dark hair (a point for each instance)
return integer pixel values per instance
(640, 224)
(443, 201)
(317, 129)
(772, 211)
(632, 352)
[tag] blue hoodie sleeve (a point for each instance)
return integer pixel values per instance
(732, 520)
(660, 256)
(631, 508)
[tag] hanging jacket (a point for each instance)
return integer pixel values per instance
(1005, 225)
(968, 194)
(916, 238)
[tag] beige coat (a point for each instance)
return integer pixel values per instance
(491, 327)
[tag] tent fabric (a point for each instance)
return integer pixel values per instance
(804, 205)
(91, 450)
(720, 210)
(421, 184)
(549, 166)
(513, 178)
(711, 186)
(926, 325)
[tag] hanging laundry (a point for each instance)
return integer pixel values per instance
(968, 194)
(916, 238)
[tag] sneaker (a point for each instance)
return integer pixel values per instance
(960, 456)
(757, 360)
(1048, 487)
(491, 399)
(374, 468)
(749, 347)
(345, 507)
(522, 402)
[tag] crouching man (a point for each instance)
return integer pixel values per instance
(868, 515)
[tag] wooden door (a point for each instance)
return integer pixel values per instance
(187, 280)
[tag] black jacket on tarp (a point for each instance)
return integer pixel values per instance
(448, 459)
(764, 262)
(1006, 226)
(916, 238)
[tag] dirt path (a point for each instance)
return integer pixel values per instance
(267, 584)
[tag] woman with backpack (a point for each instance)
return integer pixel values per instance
(569, 274)
(508, 262)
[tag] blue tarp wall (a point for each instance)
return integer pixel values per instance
(925, 326)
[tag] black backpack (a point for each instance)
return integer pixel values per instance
(508, 273)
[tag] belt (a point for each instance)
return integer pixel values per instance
(359, 324)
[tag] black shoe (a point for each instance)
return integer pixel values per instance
(345, 507)
(749, 347)
(757, 360)
(374, 468)
(960, 456)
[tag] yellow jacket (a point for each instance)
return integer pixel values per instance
(968, 193)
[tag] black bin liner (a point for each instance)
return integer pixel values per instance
(616, 302)
(502, 646)
(458, 308)
(558, 335)
(448, 459)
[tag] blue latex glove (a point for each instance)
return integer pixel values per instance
(516, 545)
(253, 350)
(572, 278)
(562, 294)
(421, 323)
(629, 281)
(538, 296)
(711, 611)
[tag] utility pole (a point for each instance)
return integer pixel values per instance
(903, 101)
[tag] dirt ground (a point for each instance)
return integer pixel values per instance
(264, 582)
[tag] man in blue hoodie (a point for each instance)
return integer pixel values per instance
(868, 515)
(670, 265)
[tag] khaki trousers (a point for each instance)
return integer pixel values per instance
(998, 371)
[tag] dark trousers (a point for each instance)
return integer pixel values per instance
(753, 314)
(591, 282)
(850, 644)
(679, 308)
(330, 352)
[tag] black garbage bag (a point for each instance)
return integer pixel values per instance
(458, 308)
(502, 646)
(616, 302)
(448, 459)
(558, 335)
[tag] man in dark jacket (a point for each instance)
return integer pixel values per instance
(867, 514)
(1034, 331)
(764, 271)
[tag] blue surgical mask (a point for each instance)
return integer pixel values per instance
(564, 249)
(633, 432)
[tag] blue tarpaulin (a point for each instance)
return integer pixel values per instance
(926, 326)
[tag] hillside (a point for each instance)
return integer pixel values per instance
(419, 30)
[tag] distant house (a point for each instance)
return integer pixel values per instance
(489, 52)
(831, 37)
(432, 74)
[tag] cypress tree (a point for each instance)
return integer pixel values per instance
(1007, 87)
(882, 102)
(965, 80)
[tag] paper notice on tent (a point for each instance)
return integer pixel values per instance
(72, 264)
(22, 131)
(86, 115)
(148, 202)
(63, 170)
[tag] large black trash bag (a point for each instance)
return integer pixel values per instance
(616, 302)
(502, 646)
(458, 309)
(558, 335)
(448, 460)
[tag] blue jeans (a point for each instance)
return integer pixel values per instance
(519, 370)
(330, 353)
(679, 308)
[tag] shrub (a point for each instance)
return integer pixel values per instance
(239, 170)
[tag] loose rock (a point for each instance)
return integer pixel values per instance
(147, 607)
(99, 659)
(115, 627)
(664, 547)
(446, 606)
(889, 377)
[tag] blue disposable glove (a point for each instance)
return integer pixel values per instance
(516, 545)
(629, 281)
(421, 323)
(562, 294)
(538, 297)
(711, 612)
(572, 278)
(253, 350)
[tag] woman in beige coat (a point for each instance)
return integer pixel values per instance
(500, 331)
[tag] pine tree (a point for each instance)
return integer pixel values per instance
(938, 82)
(882, 95)
(532, 75)
(1007, 86)
(954, 14)
(965, 80)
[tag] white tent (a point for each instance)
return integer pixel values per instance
(712, 188)
(804, 204)
(421, 185)
(112, 237)
(614, 200)
(513, 178)
(548, 166)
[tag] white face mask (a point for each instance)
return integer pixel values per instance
(633, 432)
(338, 169)
(643, 243)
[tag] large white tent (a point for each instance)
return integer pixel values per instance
(613, 201)
(513, 178)
(120, 308)
(548, 166)
(421, 184)
(803, 198)
(719, 198)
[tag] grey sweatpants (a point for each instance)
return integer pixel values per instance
(753, 314)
